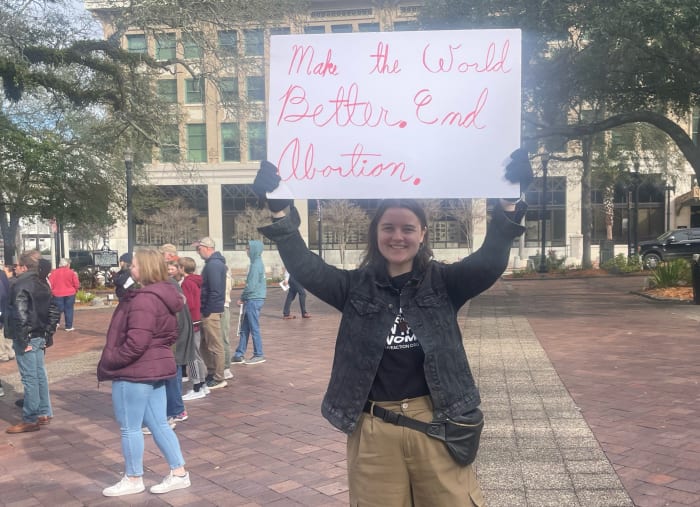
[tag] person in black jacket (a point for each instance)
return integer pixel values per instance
(122, 279)
(31, 322)
(399, 352)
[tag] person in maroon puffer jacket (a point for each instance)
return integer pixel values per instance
(137, 358)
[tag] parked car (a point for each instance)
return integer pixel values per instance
(675, 244)
(80, 259)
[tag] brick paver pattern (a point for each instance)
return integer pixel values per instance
(590, 395)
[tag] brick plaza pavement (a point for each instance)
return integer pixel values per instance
(626, 368)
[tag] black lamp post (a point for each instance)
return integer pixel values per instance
(629, 223)
(320, 228)
(543, 216)
(129, 165)
(636, 207)
(669, 188)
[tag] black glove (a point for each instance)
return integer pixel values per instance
(519, 169)
(518, 213)
(266, 181)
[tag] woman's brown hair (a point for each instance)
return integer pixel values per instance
(152, 267)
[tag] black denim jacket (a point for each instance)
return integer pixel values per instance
(369, 304)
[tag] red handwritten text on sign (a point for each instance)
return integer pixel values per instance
(356, 107)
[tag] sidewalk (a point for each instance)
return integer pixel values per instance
(262, 441)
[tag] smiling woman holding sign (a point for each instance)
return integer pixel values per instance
(401, 386)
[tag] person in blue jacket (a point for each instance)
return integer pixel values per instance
(252, 298)
(212, 300)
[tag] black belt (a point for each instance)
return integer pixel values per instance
(432, 429)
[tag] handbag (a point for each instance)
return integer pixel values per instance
(460, 434)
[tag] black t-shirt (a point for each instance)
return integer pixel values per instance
(400, 374)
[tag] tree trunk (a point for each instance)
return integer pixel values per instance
(609, 208)
(9, 224)
(586, 205)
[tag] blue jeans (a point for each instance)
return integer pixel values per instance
(65, 306)
(251, 326)
(136, 404)
(173, 394)
(32, 370)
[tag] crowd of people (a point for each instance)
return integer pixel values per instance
(399, 345)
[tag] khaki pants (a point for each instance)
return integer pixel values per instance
(6, 351)
(212, 346)
(394, 466)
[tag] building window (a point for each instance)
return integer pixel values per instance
(196, 142)
(228, 89)
(167, 90)
(170, 144)
(192, 50)
(228, 42)
(240, 217)
(230, 142)
(280, 30)
(346, 28)
(255, 88)
(165, 46)
(368, 27)
(404, 26)
(254, 42)
(555, 199)
(651, 212)
(257, 141)
(315, 29)
(136, 44)
(194, 90)
(176, 214)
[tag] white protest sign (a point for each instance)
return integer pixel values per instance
(394, 114)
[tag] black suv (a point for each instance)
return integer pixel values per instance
(679, 243)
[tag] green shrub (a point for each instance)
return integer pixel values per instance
(671, 274)
(622, 264)
(84, 297)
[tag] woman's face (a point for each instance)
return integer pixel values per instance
(135, 269)
(173, 271)
(399, 236)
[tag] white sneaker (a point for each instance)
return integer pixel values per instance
(185, 379)
(193, 395)
(2, 391)
(125, 487)
(206, 389)
(69, 329)
(227, 373)
(171, 483)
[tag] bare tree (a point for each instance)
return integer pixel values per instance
(462, 210)
(247, 223)
(346, 221)
(175, 223)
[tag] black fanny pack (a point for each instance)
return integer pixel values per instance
(461, 434)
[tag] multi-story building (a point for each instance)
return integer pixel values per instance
(223, 138)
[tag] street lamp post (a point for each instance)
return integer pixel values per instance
(129, 165)
(669, 188)
(543, 256)
(320, 228)
(629, 224)
(636, 207)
